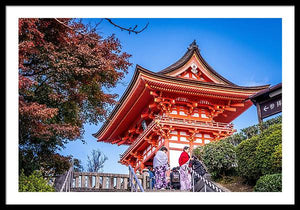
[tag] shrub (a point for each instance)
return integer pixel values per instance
(276, 158)
(256, 152)
(219, 157)
(270, 122)
(34, 183)
(269, 183)
(258, 155)
(266, 148)
(246, 159)
(268, 131)
(234, 139)
(250, 131)
(198, 152)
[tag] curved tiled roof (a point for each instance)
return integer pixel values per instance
(193, 48)
(163, 75)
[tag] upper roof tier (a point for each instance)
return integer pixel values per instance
(193, 66)
(190, 75)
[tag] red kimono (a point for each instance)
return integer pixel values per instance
(184, 157)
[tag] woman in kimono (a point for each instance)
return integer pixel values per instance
(160, 166)
(185, 170)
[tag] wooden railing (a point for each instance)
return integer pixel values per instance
(182, 122)
(217, 125)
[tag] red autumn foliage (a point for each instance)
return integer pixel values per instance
(63, 68)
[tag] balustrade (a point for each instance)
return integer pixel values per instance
(106, 181)
(197, 122)
(93, 181)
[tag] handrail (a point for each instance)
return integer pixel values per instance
(137, 181)
(198, 122)
(68, 181)
(206, 183)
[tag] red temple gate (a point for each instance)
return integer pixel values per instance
(188, 103)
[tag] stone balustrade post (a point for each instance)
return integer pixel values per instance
(76, 181)
(111, 182)
(125, 183)
(82, 180)
(89, 181)
(97, 181)
(104, 182)
(118, 184)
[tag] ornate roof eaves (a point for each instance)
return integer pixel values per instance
(140, 69)
(123, 97)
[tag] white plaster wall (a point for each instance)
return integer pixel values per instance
(174, 156)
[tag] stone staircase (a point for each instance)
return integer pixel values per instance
(109, 182)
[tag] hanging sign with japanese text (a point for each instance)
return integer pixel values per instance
(270, 107)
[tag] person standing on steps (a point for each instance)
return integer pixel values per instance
(160, 166)
(175, 178)
(151, 177)
(185, 170)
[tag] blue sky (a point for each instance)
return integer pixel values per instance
(247, 52)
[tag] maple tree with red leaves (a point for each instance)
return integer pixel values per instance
(63, 67)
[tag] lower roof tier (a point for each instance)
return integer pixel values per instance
(165, 126)
(146, 86)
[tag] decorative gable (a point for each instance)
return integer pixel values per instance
(194, 72)
(194, 69)
(193, 66)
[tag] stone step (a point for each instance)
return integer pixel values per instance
(167, 190)
(85, 189)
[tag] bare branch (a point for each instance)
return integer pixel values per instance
(110, 21)
(127, 29)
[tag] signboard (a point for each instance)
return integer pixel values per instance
(268, 101)
(270, 107)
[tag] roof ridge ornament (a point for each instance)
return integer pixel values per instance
(194, 68)
(193, 45)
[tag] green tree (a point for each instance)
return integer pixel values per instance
(261, 154)
(276, 158)
(248, 132)
(34, 183)
(266, 148)
(235, 139)
(77, 166)
(219, 157)
(246, 159)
